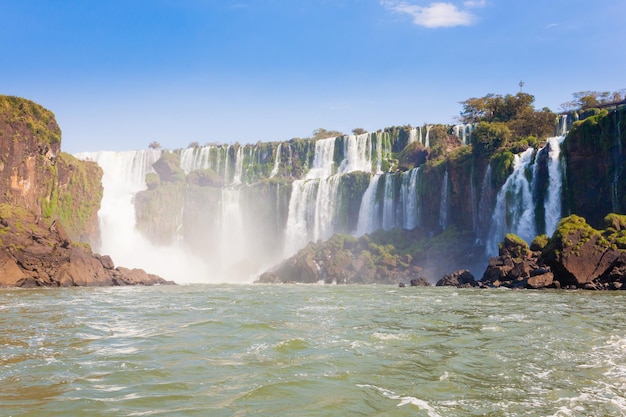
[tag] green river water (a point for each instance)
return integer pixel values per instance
(311, 350)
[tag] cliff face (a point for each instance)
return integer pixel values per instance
(595, 151)
(36, 175)
(48, 199)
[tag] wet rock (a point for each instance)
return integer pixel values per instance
(462, 278)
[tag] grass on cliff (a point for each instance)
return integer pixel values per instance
(16, 111)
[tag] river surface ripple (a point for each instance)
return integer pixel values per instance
(311, 350)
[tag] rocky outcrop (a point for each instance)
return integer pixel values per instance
(583, 257)
(576, 256)
(517, 266)
(383, 257)
(33, 254)
(461, 279)
(36, 175)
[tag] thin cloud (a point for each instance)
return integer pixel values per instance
(437, 14)
(474, 4)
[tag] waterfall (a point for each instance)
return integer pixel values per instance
(226, 164)
(427, 139)
(238, 166)
(357, 154)
(474, 201)
(311, 207)
(484, 207)
(514, 211)
(195, 158)
(124, 175)
(379, 152)
(389, 202)
(563, 127)
(368, 212)
(462, 132)
(408, 196)
(232, 243)
(289, 161)
(413, 135)
(276, 161)
(443, 206)
(552, 201)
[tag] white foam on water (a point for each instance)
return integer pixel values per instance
(404, 400)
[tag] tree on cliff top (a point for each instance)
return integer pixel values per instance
(322, 133)
(591, 99)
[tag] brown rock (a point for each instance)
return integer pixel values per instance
(461, 278)
(10, 272)
(540, 281)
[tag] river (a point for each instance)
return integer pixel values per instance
(311, 350)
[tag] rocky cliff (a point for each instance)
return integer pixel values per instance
(36, 175)
(48, 200)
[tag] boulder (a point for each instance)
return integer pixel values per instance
(577, 253)
(10, 272)
(420, 282)
(461, 278)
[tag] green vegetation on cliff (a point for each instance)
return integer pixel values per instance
(40, 122)
(34, 173)
(595, 149)
(74, 195)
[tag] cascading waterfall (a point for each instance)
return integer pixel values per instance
(357, 154)
(427, 138)
(552, 201)
(389, 218)
(443, 206)
(313, 202)
(124, 175)
(408, 196)
(484, 206)
(368, 212)
(413, 135)
(515, 208)
(276, 161)
(303, 217)
(227, 164)
(232, 248)
(463, 132)
(195, 158)
(238, 166)
(514, 211)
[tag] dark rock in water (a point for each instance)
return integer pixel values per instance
(402, 285)
(462, 278)
(517, 267)
(420, 282)
(544, 280)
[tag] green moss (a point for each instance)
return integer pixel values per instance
(501, 166)
(539, 243)
(74, 192)
(615, 221)
(39, 121)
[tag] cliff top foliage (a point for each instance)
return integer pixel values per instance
(16, 111)
(584, 100)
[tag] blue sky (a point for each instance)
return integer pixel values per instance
(119, 74)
